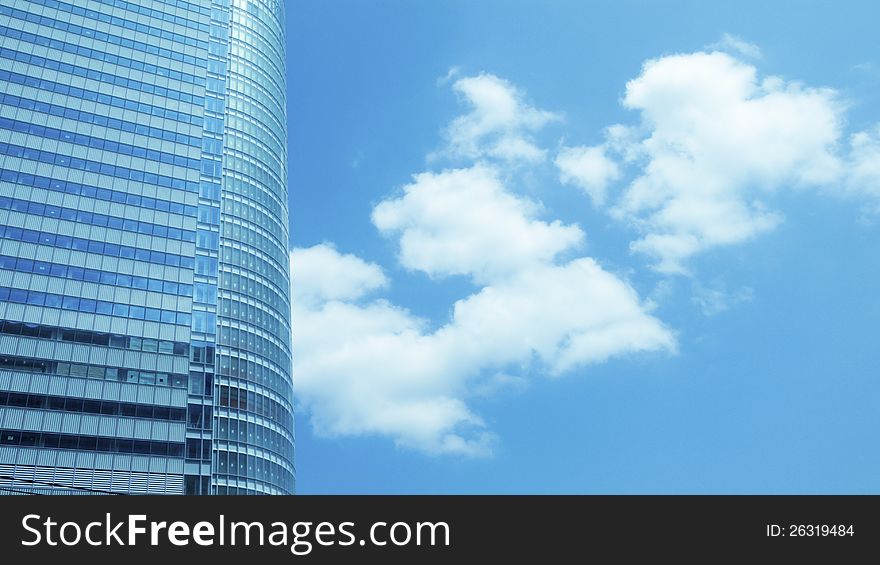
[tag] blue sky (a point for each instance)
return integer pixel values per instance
(572, 247)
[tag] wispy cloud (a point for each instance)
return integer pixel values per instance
(499, 125)
(713, 300)
(452, 73)
(737, 46)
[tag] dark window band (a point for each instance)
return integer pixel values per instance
(89, 337)
(249, 401)
(91, 443)
(91, 406)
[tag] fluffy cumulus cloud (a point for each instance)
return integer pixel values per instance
(714, 142)
(364, 366)
(465, 222)
(500, 124)
(324, 274)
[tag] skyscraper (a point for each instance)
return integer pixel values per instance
(144, 274)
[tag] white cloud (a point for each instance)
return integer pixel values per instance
(320, 274)
(713, 144)
(453, 72)
(716, 299)
(562, 316)
(588, 168)
(737, 45)
(499, 124)
(373, 368)
(364, 366)
(864, 165)
(464, 222)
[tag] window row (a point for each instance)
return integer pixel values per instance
(64, 369)
(100, 97)
(235, 307)
(101, 36)
(254, 236)
(95, 219)
(197, 484)
(250, 467)
(117, 171)
(250, 211)
(101, 76)
(89, 337)
(252, 122)
(255, 194)
(99, 247)
(256, 321)
(256, 111)
(203, 352)
(97, 54)
(250, 401)
(100, 143)
(91, 306)
(140, 8)
(225, 490)
(238, 368)
(249, 260)
(241, 340)
(131, 25)
(201, 383)
(88, 406)
(256, 34)
(59, 270)
(106, 194)
(259, 346)
(198, 449)
(266, 168)
(269, 87)
(249, 433)
(90, 443)
(99, 120)
(257, 290)
(199, 417)
(248, 109)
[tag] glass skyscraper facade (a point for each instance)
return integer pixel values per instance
(144, 273)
